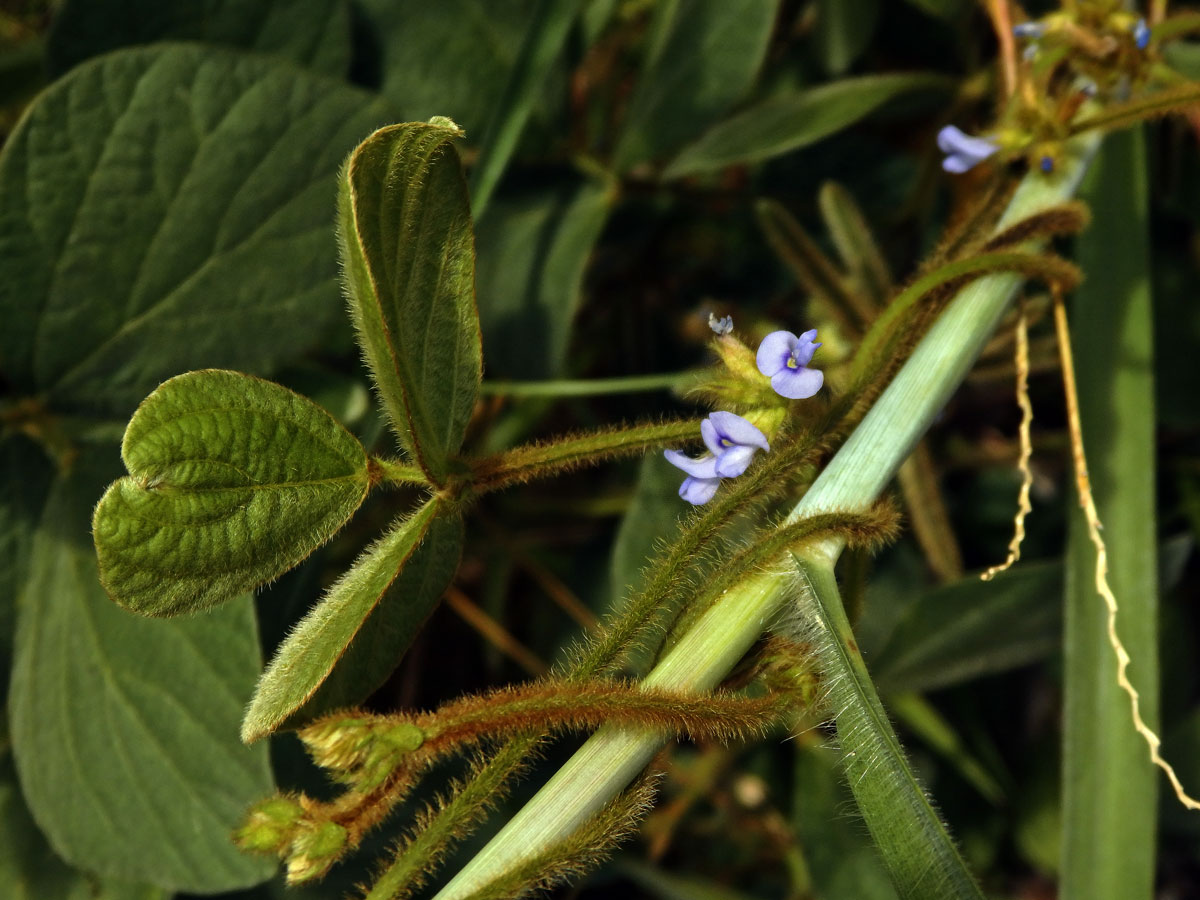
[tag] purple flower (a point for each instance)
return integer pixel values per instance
(962, 150)
(702, 478)
(784, 358)
(1029, 30)
(1141, 34)
(732, 441)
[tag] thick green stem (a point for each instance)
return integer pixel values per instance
(851, 481)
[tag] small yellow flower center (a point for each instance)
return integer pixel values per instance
(725, 442)
(792, 364)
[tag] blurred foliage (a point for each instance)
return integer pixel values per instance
(130, 251)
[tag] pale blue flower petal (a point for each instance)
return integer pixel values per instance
(1141, 34)
(705, 467)
(733, 462)
(698, 491)
(963, 151)
(712, 439)
(774, 351)
(736, 430)
(797, 384)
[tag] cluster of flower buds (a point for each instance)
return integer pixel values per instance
(284, 826)
(360, 751)
(1112, 30)
(732, 440)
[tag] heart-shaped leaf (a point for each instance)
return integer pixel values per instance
(232, 481)
(308, 655)
(408, 253)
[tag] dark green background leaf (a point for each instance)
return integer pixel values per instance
(702, 57)
(25, 476)
(451, 58)
(408, 252)
(971, 628)
(314, 33)
(533, 252)
(789, 121)
(124, 728)
(232, 481)
(167, 209)
(29, 870)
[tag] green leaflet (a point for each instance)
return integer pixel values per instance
(362, 626)
(166, 209)
(124, 729)
(703, 57)
(842, 862)
(409, 258)
(232, 481)
(790, 121)
(313, 33)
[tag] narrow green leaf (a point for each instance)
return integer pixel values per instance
(844, 28)
(842, 861)
(790, 121)
(390, 628)
(408, 253)
(913, 841)
(971, 628)
(1109, 786)
(533, 252)
(124, 728)
(314, 33)
(391, 572)
(856, 245)
(923, 719)
(548, 29)
(653, 517)
(703, 57)
(167, 209)
(232, 481)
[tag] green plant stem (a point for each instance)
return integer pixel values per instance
(395, 472)
(531, 461)
(590, 387)
(851, 481)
